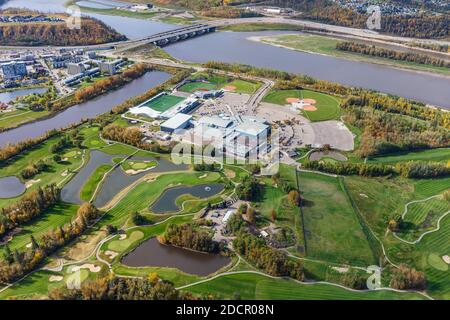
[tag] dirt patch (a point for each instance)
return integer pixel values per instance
(229, 88)
(83, 248)
(230, 174)
(309, 108)
(446, 259)
(31, 182)
(309, 101)
(55, 278)
(91, 267)
(293, 100)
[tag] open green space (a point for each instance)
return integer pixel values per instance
(332, 230)
(438, 155)
(138, 165)
(204, 82)
(145, 193)
(327, 106)
(89, 187)
(56, 216)
(258, 287)
(121, 245)
(421, 217)
(197, 86)
(244, 86)
(18, 117)
(164, 102)
(327, 45)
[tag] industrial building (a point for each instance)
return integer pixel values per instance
(177, 122)
(111, 67)
(75, 68)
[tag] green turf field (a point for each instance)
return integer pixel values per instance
(327, 106)
(333, 232)
(164, 102)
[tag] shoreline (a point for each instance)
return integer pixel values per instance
(260, 39)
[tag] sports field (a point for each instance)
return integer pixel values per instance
(333, 232)
(164, 102)
(197, 86)
(326, 106)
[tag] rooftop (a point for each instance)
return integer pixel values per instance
(176, 121)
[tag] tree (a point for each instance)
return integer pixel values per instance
(34, 244)
(294, 197)
(137, 219)
(406, 278)
(250, 215)
(8, 255)
(273, 215)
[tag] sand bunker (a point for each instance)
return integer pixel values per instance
(203, 176)
(122, 236)
(31, 182)
(293, 100)
(55, 278)
(64, 173)
(309, 108)
(229, 88)
(29, 245)
(132, 172)
(446, 259)
(340, 269)
(89, 266)
(111, 254)
(363, 195)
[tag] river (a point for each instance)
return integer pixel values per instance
(236, 47)
(87, 110)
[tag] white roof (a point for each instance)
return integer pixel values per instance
(215, 121)
(147, 111)
(252, 127)
(227, 216)
(176, 121)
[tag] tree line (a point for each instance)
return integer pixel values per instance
(372, 50)
(410, 169)
(272, 261)
(190, 236)
(111, 83)
(29, 206)
(91, 32)
(115, 288)
(17, 263)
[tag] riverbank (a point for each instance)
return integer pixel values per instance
(326, 46)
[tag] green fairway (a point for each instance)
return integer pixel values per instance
(164, 102)
(88, 189)
(327, 106)
(54, 217)
(438, 155)
(121, 245)
(333, 232)
(422, 217)
(145, 193)
(258, 287)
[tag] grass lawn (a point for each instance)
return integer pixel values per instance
(327, 106)
(244, 86)
(258, 287)
(58, 215)
(438, 155)
(196, 86)
(119, 149)
(122, 245)
(88, 189)
(422, 217)
(164, 102)
(15, 118)
(288, 215)
(138, 165)
(333, 232)
(327, 45)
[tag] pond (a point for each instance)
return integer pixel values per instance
(167, 201)
(154, 254)
(115, 181)
(11, 187)
(11, 95)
